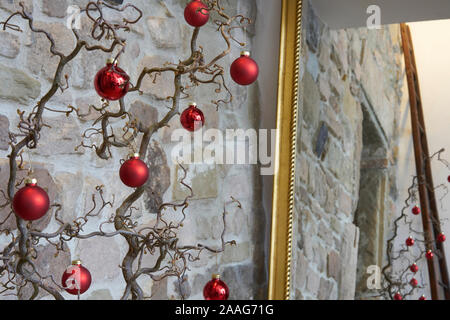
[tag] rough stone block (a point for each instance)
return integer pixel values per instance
(311, 101)
(17, 85)
(53, 8)
(159, 177)
(325, 289)
(61, 138)
(333, 265)
(102, 294)
(39, 58)
(160, 87)
(236, 253)
(165, 32)
(312, 282)
(104, 250)
(4, 133)
(69, 187)
(201, 178)
(9, 44)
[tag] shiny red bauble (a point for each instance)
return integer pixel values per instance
(448, 178)
(414, 268)
(416, 210)
(196, 13)
(76, 279)
(192, 118)
(31, 202)
(244, 70)
(216, 289)
(409, 242)
(422, 298)
(441, 237)
(134, 172)
(429, 255)
(398, 296)
(111, 82)
(413, 282)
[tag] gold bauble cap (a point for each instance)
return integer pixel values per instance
(110, 61)
(30, 181)
(134, 155)
(245, 53)
(76, 262)
(216, 276)
(193, 104)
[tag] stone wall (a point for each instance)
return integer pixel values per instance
(71, 175)
(345, 190)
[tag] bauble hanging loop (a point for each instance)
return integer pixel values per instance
(31, 202)
(196, 13)
(111, 82)
(76, 279)
(192, 118)
(134, 172)
(244, 70)
(216, 289)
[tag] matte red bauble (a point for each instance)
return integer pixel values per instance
(416, 210)
(216, 289)
(111, 82)
(192, 118)
(134, 172)
(244, 70)
(441, 237)
(76, 279)
(409, 242)
(429, 255)
(414, 268)
(196, 13)
(31, 202)
(398, 296)
(414, 282)
(422, 298)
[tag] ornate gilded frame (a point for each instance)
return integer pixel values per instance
(284, 177)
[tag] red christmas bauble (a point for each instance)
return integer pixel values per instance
(448, 178)
(196, 13)
(216, 289)
(76, 279)
(429, 255)
(244, 70)
(134, 172)
(441, 237)
(414, 282)
(416, 210)
(414, 268)
(409, 242)
(192, 118)
(422, 298)
(111, 82)
(398, 296)
(31, 202)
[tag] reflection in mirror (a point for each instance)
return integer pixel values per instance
(371, 204)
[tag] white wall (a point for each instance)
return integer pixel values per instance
(432, 47)
(266, 52)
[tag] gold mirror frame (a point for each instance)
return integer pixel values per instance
(286, 141)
